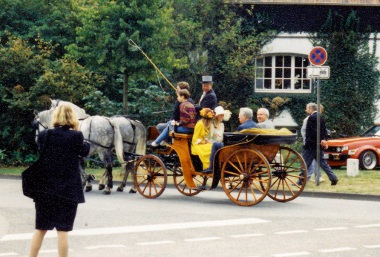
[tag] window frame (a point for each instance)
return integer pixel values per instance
(276, 74)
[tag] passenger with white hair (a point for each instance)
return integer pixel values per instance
(245, 119)
(263, 119)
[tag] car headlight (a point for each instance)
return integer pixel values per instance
(345, 148)
(352, 152)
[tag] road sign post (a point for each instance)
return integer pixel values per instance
(318, 57)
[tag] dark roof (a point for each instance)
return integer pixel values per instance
(310, 18)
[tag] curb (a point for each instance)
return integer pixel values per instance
(343, 196)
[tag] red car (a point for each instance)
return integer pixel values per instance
(366, 148)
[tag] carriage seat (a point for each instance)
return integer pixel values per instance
(180, 135)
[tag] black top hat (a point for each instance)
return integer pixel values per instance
(207, 80)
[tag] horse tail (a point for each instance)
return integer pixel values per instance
(140, 136)
(118, 141)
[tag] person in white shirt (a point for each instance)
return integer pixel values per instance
(263, 119)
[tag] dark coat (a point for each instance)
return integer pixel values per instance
(209, 100)
(247, 125)
(60, 177)
(311, 132)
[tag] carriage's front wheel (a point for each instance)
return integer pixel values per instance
(150, 176)
(180, 184)
(289, 175)
(246, 176)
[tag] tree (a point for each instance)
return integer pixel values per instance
(103, 44)
(350, 94)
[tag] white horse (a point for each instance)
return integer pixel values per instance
(129, 140)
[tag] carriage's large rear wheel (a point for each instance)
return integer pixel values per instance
(289, 175)
(246, 176)
(150, 176)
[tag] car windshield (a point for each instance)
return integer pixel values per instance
(374, 131)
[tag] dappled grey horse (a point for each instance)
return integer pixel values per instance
(129, 141)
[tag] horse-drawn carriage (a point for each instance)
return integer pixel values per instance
(252, 164)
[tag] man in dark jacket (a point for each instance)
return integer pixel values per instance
(309, 152)
(208, 98)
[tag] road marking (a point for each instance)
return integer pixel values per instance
(329, 229)
(202, 239)
(291, 254)
(334, 250)
(291, 232)
(247, 235)
(95, 247)
(9, 254)
(368, 226)
(372, 246)
(142, 228)
(156, 243)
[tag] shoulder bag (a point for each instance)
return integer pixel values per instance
(30, 175)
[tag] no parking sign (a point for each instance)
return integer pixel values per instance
(318, 56)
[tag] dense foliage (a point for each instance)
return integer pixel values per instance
(81, 51)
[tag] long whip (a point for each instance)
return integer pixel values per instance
(132, 43)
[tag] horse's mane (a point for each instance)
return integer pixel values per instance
(81, 113)
(46, 118)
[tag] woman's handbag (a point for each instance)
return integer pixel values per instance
(30, 175)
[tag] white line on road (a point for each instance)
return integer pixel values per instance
(291, 254)
(291, 232)
(330, 229)
(9, 254)
(142, 228)
(372, 246)
(95, 247)
(334, 250)
(369, 226)
(202, 239)
(247, 235)
(156, 243)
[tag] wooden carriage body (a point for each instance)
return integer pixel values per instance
(250, 166)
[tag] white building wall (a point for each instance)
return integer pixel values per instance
(299, 43)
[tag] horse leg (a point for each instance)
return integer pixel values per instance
(124, 181)
(109, 185)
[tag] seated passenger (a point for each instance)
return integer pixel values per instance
(263, 119)
(216, 135)
(187, 118)
(245, 118)
(175, 115)
(201, 143)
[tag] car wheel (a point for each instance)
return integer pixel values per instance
(368, 160)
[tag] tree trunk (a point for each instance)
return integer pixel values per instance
(125, 93)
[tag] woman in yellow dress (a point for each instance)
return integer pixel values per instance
(201, 143)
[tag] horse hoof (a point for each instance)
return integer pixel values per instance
(88, 189)
(132, 191)
(101, 187)
(120, 189)
(107, 192)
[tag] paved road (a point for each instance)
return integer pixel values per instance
(208, 224)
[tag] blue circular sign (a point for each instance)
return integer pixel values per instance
(318, 56)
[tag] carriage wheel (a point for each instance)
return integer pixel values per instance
(289, 175)
(150, 176)
(246, 176)
(179, 182)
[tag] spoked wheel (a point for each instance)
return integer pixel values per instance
(150, 176)
(179, 182)
(246, 176)
(289, 175)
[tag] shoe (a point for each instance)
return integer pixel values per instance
(334, 182)
(206, 171)
(151, 144)
(298, 183)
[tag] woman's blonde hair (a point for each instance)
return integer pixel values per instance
(65, 116)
